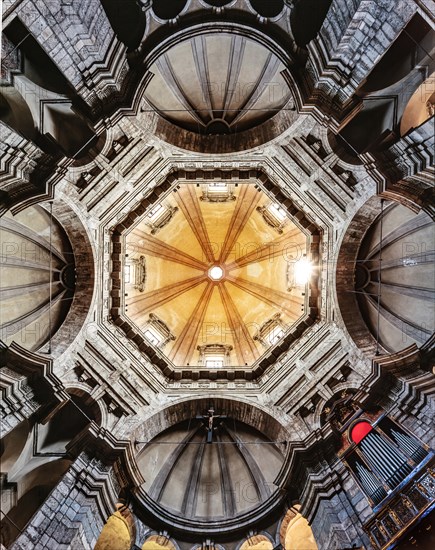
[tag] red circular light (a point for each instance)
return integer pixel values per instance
(360, 430)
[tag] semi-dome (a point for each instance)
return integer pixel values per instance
(210, 482)
(217, 83)
(397, 254)
(38, 277)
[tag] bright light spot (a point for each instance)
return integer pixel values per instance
(303, 269)
(216, 273)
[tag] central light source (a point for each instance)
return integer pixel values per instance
(216, 273)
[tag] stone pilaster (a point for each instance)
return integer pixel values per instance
(24, 170)
(18, 400)
(335, 524)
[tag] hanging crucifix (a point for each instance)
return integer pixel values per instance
(208, 420)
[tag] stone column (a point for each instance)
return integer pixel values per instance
(76, 510)
(24, 170)
(77, 36)
(28, 387)
(409, 156)
(354, 36)
(334, 522)
(18, 400)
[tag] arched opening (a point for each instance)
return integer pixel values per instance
(295, 532)
(269, 9)
(307, 18)
(115, 534)
(168, 10)
(218, 3)
(257, 542)
(127, 20)
(158, 542)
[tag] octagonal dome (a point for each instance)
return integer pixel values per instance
(215, 275)
(217, 84)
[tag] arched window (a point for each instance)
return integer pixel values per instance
(383, 456)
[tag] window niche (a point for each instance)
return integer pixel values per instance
(274, 216)
(214, 356)
(218, 192)
(135, 273)
(271, 331)
(159, 216)
(157, 331)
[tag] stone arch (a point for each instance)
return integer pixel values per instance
(16, 114)
(343, 149)
(414, 193)
(307, 18)
(12, 445)
(216, 3)
(34, 488)
(128, 22)
(344, 276)
(94, 409)
(268, 10)
(166, 11)
(241, 409)
(84, 285)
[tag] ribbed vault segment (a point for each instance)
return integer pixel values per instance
(395, 276)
